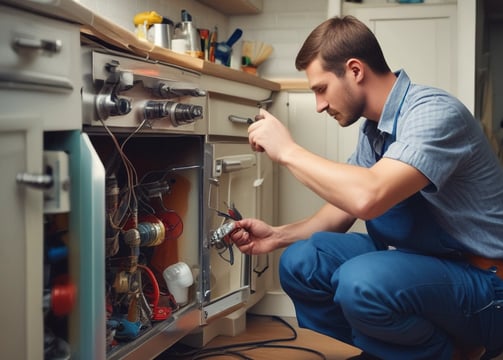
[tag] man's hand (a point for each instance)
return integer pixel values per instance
(270, 135)
(253, 237)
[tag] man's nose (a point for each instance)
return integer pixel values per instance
(321, 104)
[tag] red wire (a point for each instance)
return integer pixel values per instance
(155, 285)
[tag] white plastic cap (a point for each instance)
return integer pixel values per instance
(178, 278)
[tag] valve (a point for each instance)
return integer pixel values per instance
(108, 103)
(177, 113)
(112, 105)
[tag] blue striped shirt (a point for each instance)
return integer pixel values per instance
(438, 135)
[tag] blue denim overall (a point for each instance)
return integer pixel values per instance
(410, 225)
(415, 302)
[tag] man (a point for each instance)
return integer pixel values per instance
(426, 282)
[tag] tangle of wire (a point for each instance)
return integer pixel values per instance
(160, 178)
(236, 350)
(131, 175)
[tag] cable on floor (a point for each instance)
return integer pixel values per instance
(238, 348)
(227, 353)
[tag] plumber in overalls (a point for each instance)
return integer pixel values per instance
(426, 280)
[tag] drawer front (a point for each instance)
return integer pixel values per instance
(229, 117)
(40, 67)
(38, 51)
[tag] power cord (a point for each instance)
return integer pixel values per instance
(235, 350)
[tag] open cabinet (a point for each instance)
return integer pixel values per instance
(153, 226)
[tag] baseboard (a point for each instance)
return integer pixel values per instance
(230, 325)
(274, 302)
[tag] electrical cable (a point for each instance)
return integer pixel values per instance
(131, 202)
(223, 353)
(206, 353)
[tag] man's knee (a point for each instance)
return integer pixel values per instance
(306, 263)
(360, 290)
(290, 263)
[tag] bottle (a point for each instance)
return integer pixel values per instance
(186, 38)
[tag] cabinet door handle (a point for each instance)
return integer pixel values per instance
(53, 46)
(240, 119)
(35, 181)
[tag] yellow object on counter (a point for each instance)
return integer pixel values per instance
(143, 21)
(151, 17)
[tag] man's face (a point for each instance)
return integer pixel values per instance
(339, 97)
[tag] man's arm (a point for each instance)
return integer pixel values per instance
(328, 218)
(363, 192)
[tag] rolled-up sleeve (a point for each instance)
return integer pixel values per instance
(432, 136)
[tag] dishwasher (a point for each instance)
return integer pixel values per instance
(171, 180)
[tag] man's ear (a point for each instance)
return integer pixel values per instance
(355, 68)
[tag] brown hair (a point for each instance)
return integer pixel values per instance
(338, 39)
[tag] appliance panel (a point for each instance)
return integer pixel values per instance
(145, 120)
(122, 91)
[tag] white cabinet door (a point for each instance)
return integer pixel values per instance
(420, 38)
(21, 239)
(314, 132)
(321, 135)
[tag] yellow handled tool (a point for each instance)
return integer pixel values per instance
(143, 21)
(148, 18)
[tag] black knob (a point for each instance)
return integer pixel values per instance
(122, 106)
(177, 113)
(186, 114)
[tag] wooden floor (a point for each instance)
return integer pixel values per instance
(260, 329)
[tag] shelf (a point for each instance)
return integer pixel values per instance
(235, 7)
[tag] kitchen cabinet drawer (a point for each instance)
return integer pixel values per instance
(38, 53)
(229, 116)
(231, 104)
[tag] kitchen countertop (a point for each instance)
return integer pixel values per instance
(293, 84)
(97, 26)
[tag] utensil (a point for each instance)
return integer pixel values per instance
(187, 31)
(161, 33)
(223, 50)
(256, 52)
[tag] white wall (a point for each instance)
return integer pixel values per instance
(284, 24)
(122, 12)
(466, 32)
